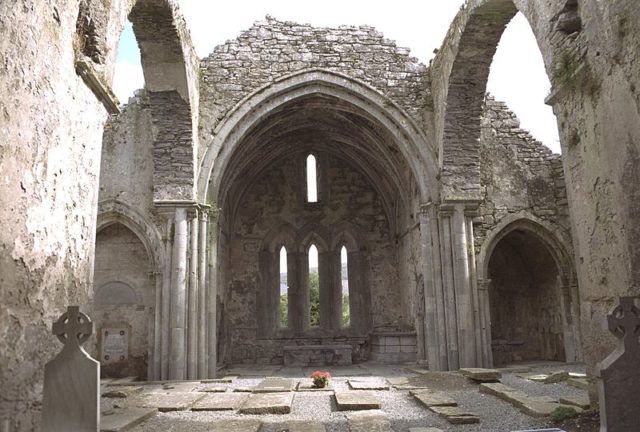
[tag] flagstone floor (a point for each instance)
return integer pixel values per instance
(277, 399)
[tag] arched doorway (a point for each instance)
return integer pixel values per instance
(526, 317)
(124, 303)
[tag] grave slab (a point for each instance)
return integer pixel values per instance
(122, 392)
(220, 402)
(212, 389)
(481, 374)
(301, 426)
(120, 420)
(308, 387)
(580, 383)
(367, 385)
(581, 401)
(275, 385)
(229, 379)
(368, 421)
(267, 403)
(171, 401)
(425, 429)
(455, 414)
(356, 401)
(235, 425)
(429, 399)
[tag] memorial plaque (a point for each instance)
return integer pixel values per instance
(115, 344)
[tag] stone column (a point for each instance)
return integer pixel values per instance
(177, 360)
(435, 327)
(485, 322)
(166, 300)
(156, 373)
(192, 310)
(212, 297)
(202, 294)
(449, 289)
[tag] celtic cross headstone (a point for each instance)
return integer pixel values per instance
(619, 374)
(72, 379)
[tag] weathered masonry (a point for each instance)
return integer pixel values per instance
(444, 233)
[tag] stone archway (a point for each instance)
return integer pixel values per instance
(528, 294)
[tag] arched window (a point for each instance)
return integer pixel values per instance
(312, 179)
(314, 287)
(283, 308)
(345, 319)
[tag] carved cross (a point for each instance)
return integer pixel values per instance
(73, 326)
(624, 322)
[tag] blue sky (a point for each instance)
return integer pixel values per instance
(517, 74)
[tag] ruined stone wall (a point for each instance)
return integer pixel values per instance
(122, 258)
(518, 173)
(272, 48)
(50, 140)
(275, 198)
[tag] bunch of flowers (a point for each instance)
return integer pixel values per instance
(320, 378)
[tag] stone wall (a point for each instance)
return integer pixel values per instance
(275, 198)
(272, 48)
(518, 173)
(50, 140)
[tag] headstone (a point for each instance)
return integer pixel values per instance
(619, 374)
(72, 379)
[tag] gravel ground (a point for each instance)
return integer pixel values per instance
(403, 411)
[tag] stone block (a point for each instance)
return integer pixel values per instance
(119, 420)
(267, 403)
(481, 375)
(318, 355)
(581, 401)
(368, 421)
(455, 414)
(220, 402)
(171, 401)
(356, 401)
(430, 399)
(367, 385)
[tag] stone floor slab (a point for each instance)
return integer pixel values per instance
(356, 401)
(368, 421)
(275, 385)
(425, 429)
(581, 401)
(455, 414)
(580, 383)
(367, 385)
(170, 401)
(267, 403)
(229, 379)
(308, 387)
(301, 426)
(429, 399)
(220, 402)
(212, 389)
(481, 374)
(235, 425)
(120, 420)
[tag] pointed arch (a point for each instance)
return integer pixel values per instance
(409, 139)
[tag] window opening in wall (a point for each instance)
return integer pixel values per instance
(345, 320)
(312, 179)
(128, 76)
(284, 290)
(314, 287)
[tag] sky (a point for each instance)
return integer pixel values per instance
(517, 73)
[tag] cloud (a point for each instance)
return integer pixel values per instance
(127, 79)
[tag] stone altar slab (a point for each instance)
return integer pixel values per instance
(71, 399)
